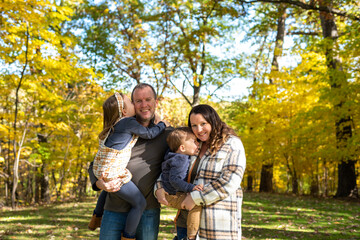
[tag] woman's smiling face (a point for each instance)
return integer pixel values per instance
(200, 127)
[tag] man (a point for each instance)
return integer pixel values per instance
(145, 166)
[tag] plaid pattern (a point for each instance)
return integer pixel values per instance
(110, 164)
(222, 196)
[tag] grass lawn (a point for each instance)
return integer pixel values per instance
(272, 216)
(265, 216)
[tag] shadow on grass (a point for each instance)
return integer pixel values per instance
(265, 216)
(58, 221)
(264, 233)
(277, 216)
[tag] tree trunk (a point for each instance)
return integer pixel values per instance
(254, 93)
(44, 181)
(62, 177)
(84, 184)
(346, 179)
(55, 183)
(7, 170)
(266, 170)
(326, 182)
(44, 175)
(338, 80)
(266, 184)
(250, 182)
(314, 188)
(37, 185)
(196, 97)
(17, 154)
(295, 185)
(280, 35)
(15, 181)
(79, 184)
(315, 182)
(29, 189)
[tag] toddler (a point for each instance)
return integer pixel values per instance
(183, 144)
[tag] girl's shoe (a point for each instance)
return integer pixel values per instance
(95, 222)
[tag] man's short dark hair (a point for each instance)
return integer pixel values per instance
(141, 86)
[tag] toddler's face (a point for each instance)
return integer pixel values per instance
(191, 145)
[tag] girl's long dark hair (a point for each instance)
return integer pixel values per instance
(111, 114)
(220, 131)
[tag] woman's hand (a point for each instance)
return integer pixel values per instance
(160, 195)
(111, 186)
(188, 203)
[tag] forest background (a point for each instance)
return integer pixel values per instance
(299, 121)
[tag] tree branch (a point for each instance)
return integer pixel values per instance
(304, 33)
(182, 94)
(186, 77)
(220, 86)
(29, 163)
(4, 175)
(310, 7)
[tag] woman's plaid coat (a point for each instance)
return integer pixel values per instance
(222, 195)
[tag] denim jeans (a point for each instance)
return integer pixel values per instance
(113, 223)
(181, 232)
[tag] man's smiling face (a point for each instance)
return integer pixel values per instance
(145, 104)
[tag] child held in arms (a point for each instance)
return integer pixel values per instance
(120, 133)
(183, 144)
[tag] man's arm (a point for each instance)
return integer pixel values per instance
(160, 192)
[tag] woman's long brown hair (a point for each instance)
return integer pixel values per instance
(111, 115)
(220, 131)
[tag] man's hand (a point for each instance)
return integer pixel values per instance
(188, 203)
(160, 195)
(111, 186)
(157, 118)
(167, 124)
(198, 187)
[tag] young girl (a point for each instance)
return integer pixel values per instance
(119, 135)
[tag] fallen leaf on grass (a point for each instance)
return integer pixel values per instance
(281, 227)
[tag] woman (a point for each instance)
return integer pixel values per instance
(219, 167)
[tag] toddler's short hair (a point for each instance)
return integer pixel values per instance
(177, 137)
